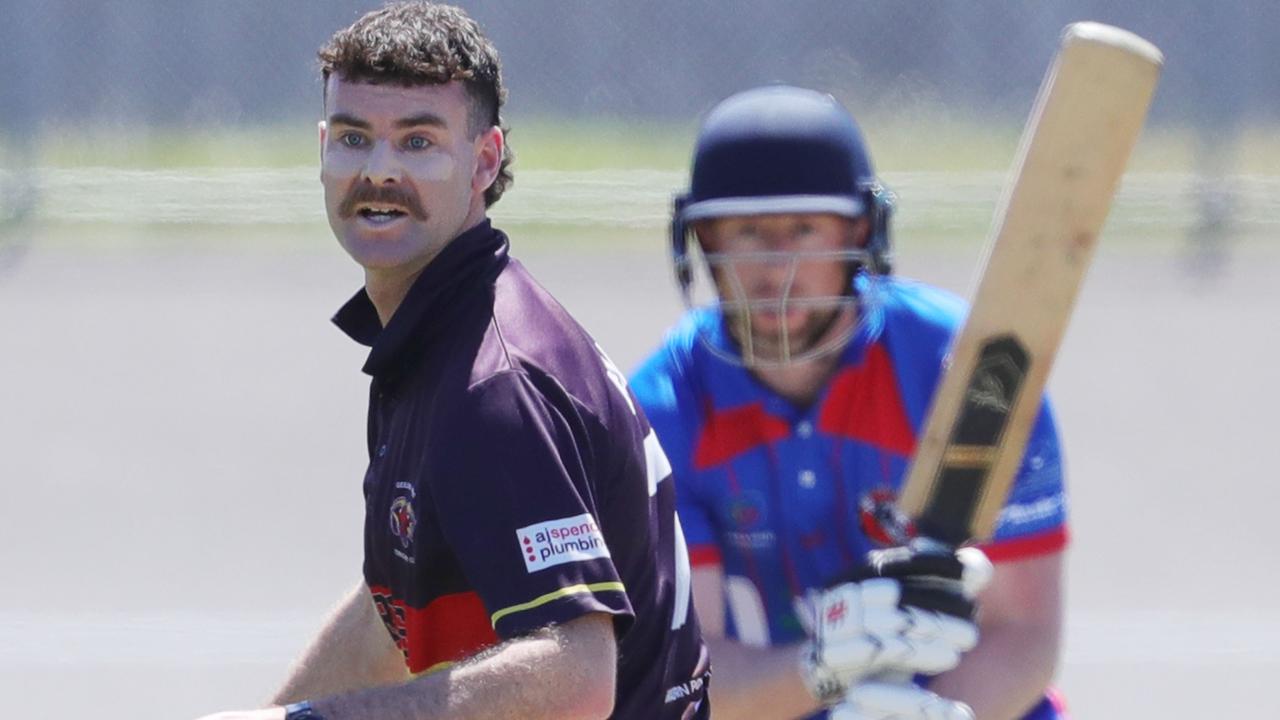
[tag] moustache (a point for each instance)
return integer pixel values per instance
(363, 193)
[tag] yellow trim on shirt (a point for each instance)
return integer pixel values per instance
(443, 664)
(556, 595)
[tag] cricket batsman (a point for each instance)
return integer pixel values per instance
(789, 400)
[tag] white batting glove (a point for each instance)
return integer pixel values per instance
(894, 701)
(866, 628)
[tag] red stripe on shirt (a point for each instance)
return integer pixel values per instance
(863, 404)
(450, 628)
(703, 555)
(1027, 547)
(729, 433)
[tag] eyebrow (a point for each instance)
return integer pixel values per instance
(352, 120)
(425, 118)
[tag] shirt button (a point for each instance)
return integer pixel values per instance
(808, 478)
(804, 429)
(382, 450)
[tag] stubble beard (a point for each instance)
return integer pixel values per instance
(813, 330)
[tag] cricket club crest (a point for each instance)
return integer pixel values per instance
(747, 510)
(403, 520)
(880, 519)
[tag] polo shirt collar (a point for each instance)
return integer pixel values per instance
(468, 263)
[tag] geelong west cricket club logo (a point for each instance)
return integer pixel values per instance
(556, 542)
(403, 519)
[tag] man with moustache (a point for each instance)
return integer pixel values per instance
(522, 553)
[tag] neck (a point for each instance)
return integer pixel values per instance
(799, 383)
(387, 287)
(802, 382)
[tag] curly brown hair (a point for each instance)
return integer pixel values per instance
(425, 43)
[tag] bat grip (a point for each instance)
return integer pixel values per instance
(925, 544)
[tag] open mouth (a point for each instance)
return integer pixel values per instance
(380, 214)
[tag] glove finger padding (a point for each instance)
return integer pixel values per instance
(912, 561)
(883, 701)
(945, 598)
(847, 610)
(861, 629)
(969, 565)
(927, 627)
(930, 576)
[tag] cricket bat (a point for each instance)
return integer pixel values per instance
(1085, 122)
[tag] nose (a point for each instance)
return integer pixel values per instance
(765, 278)
(382, 166)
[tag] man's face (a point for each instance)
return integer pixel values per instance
(402, 175)
(780, 278)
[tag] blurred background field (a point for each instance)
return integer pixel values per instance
(575, 177)
(181, 431)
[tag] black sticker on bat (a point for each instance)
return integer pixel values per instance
(989, 397)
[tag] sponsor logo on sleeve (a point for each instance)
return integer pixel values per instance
(1032, 513)
(556, 542)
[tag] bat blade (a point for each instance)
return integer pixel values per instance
(1083, 126)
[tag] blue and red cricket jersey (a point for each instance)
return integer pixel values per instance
(787, 499)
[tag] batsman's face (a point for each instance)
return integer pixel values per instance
(781, 275)
(402, 172)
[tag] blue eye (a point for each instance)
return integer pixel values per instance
(417, 142)
(351, 139)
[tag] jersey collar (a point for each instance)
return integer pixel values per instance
(732, 385)
(468, 264)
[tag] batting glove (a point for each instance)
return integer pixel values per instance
(893, 701)
(908, 611)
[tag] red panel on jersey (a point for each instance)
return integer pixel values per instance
(703, 555)
(864, 405)
(730, 433)
(450, 628)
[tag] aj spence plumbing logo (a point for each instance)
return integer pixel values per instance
(556, 542)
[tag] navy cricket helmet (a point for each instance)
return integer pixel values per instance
(778, 150)
(782, 149)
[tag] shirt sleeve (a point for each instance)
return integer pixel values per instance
(512, 488)
(1034, 519)
(655, 387)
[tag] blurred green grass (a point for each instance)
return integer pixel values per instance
(900, 144)
(595, 184)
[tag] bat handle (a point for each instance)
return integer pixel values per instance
(926, 545)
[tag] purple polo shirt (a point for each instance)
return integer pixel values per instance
(514, 482)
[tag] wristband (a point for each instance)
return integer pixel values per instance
(301, 711)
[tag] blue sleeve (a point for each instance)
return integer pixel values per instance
(1034, 519)
(661, 390)
(920, 324)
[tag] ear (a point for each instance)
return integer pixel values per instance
(323, 128)
(704, 232)
(489, 151)
(860, 231)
